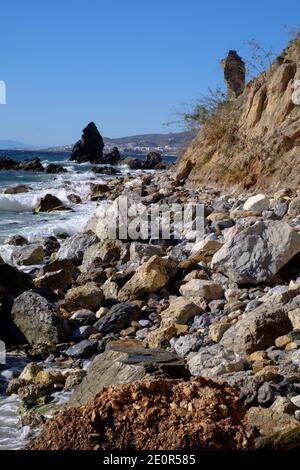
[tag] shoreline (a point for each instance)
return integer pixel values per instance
(133, 308)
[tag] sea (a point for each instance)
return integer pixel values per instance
(16, 210)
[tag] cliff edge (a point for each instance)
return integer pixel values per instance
(253, 139)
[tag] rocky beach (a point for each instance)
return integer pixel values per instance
(143, 341)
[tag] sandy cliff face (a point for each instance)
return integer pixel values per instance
(255, 139)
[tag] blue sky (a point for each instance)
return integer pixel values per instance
(125, 64)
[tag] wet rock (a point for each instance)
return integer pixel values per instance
(50, 245)
(48, 203)
(90, 147)
(213, 361)
(39, 320)
(98, 191)
(52, 168)
(84, 349)
(112, 158)
(105, 170)
(7, 163)
(74, 247)
(210, 290)
(210, 417)
(257, 253)
(31, 165)
(20, 188)
(28, 255)
(87, 296)
(74, 198)
(132, 163)
(152, 160)
(118, 318)
(17, 240)
(32, 393)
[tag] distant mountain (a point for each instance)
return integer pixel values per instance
(172, 143)
(171, 139)
(13, 144)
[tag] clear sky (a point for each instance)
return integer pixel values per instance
(125, 64)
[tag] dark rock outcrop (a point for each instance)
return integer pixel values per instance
(112, 158)
(105, 170)
(7, 163)
(31, 165)
(52, 168)
(234, 74)
(152, 160)
(132, 163)
(48, 203)
(26, 165)
(90, 147)
(12, 279)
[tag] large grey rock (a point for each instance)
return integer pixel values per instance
(213, 361)
(39, 320)
(257, 253)
(124, 364)
(74, 247)
(259, 328)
